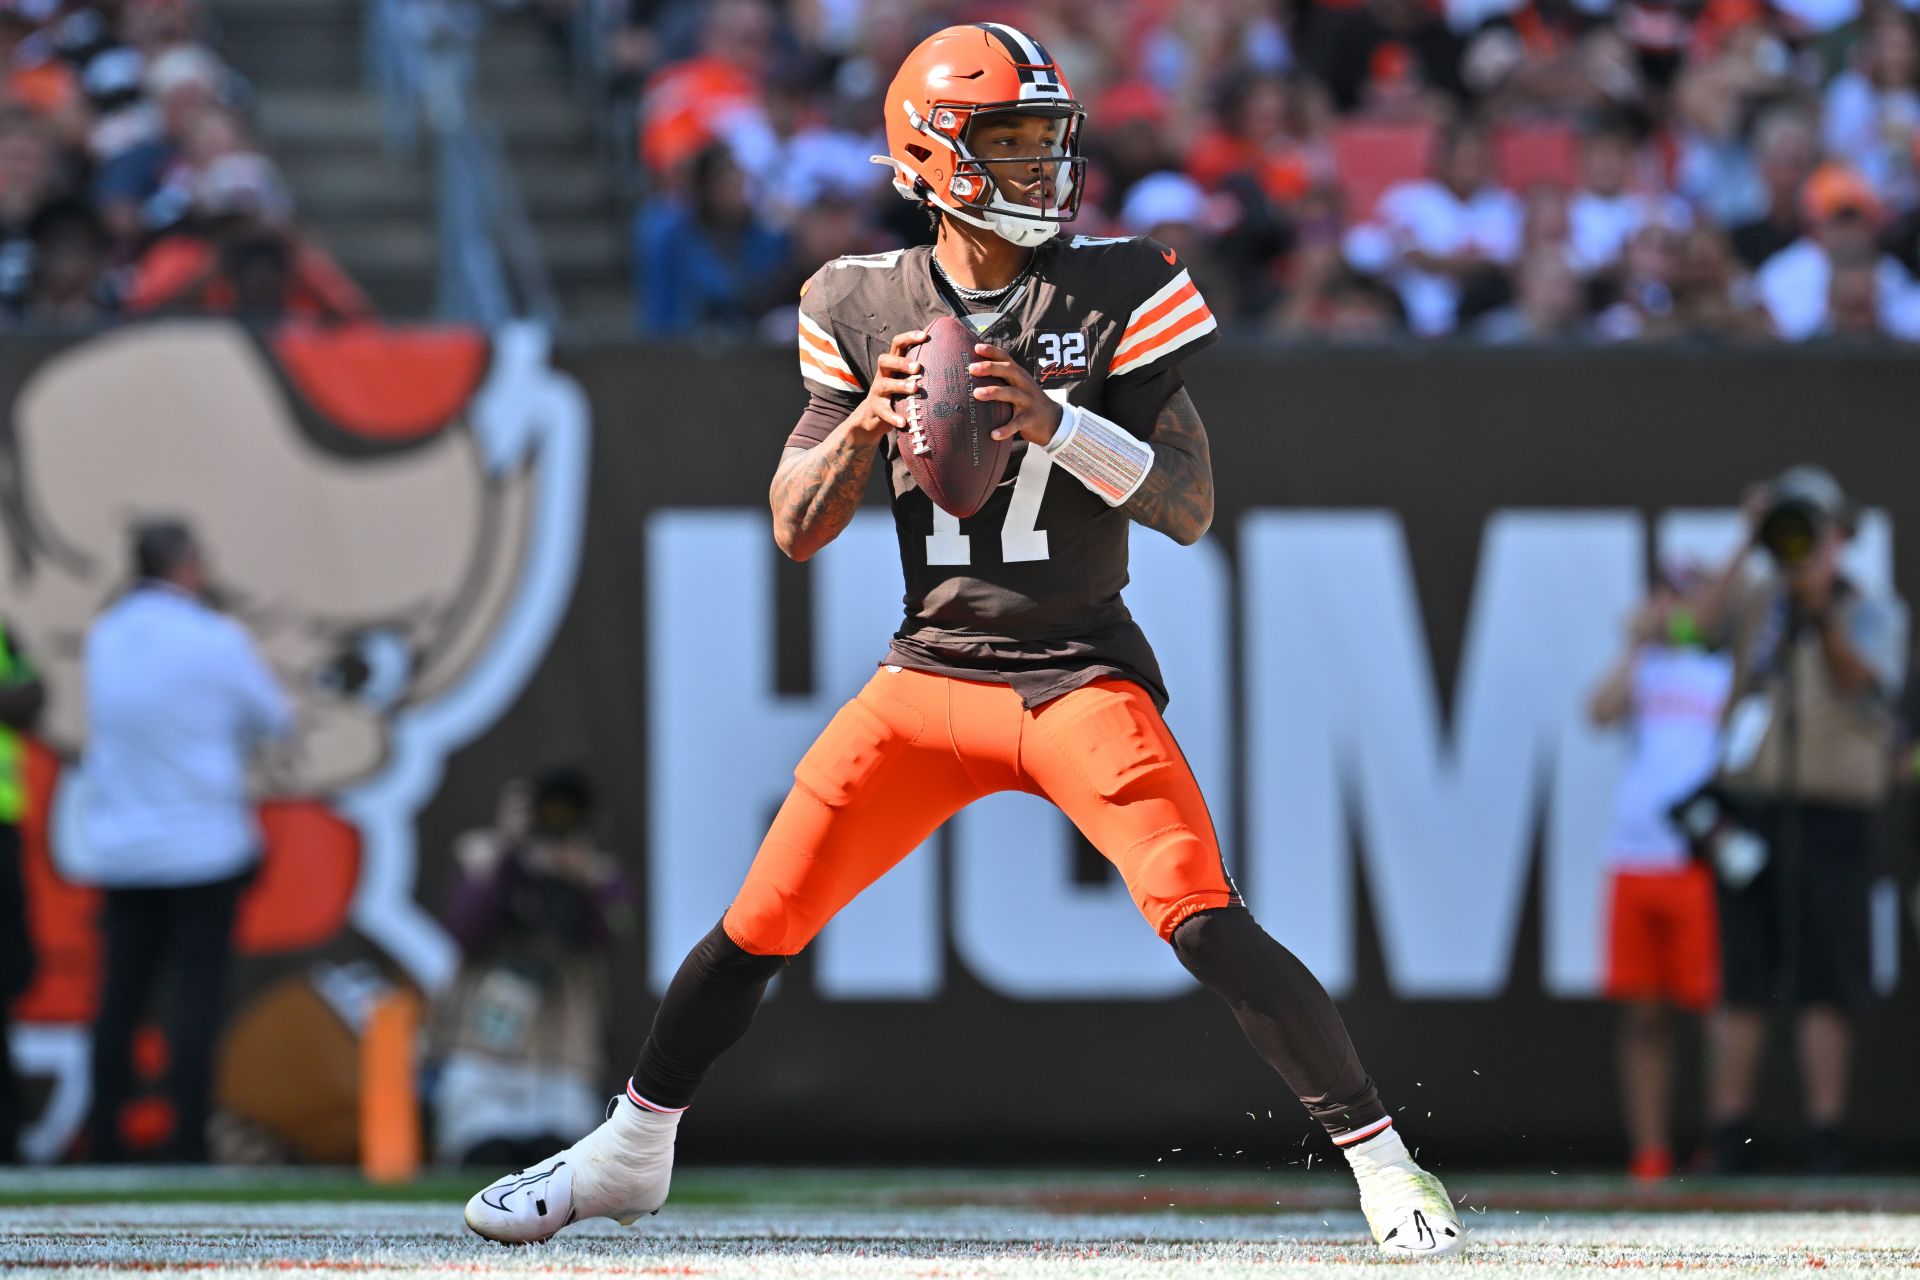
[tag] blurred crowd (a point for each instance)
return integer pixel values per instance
(130, 180)
(1508, 170)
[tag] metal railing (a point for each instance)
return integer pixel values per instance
(615, 120)
(419, 55)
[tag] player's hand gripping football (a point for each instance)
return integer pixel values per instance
(1036, 415)
(894, 376)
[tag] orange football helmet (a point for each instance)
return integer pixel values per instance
(956, 77)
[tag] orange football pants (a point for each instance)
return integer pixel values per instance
(912, 749)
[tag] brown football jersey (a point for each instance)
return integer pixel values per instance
(1026, 590)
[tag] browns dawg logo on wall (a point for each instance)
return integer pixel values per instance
(395, 515)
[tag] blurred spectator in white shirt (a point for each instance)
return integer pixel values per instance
(1844, 217)
(1439, 232)
(1604, 212)
(1873, 108)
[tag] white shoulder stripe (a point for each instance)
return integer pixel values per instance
(826, 380)
(814, 327)
(821, 358)
(818, 343)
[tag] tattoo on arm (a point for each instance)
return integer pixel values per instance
(815, 492)
(1177, 496)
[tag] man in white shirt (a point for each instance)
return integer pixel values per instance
(1843, 216)
(177, 699)
(1444, 230)
(1604, 215)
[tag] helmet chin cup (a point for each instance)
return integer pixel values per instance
(1026, 233)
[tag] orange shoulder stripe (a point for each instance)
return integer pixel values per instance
(808, 358)
(819, 344)
(1163, 309)
(1142, 350)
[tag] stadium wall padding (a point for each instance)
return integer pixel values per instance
(1420, 560)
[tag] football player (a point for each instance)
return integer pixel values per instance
(1017, 667)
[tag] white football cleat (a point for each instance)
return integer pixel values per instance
(1406, 1207)
(621, 1171)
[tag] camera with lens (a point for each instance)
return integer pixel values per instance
(1802, 504)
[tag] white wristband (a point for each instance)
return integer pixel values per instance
(1100, 455)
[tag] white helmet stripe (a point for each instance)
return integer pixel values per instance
(1033, 59)
(1029, 52)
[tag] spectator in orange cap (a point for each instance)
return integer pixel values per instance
(1843, 216)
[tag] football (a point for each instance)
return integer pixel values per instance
(948, 439)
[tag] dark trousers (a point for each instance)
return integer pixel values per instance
(16, 970)
(186, 932)
(1800, 933)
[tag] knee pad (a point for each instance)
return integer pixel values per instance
(764, 920)
(1174, 876)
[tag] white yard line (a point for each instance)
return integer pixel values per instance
(384, 1240)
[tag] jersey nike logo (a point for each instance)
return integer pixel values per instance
(1172, 258)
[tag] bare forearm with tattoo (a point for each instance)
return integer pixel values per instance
(1177, 496)
(816, 491)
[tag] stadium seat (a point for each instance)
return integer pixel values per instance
(1536, 155)
(1372, 157)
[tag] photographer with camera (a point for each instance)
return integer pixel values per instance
(1804, 773)
(519, 1041)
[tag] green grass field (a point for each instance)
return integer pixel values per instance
(928, 1224)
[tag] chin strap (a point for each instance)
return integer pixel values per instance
(1101, 455)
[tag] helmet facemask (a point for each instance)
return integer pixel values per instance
(978, 199)
(973, 196)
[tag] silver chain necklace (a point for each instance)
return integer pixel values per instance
(983, 295)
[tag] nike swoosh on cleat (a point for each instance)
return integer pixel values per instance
(511, 1187)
